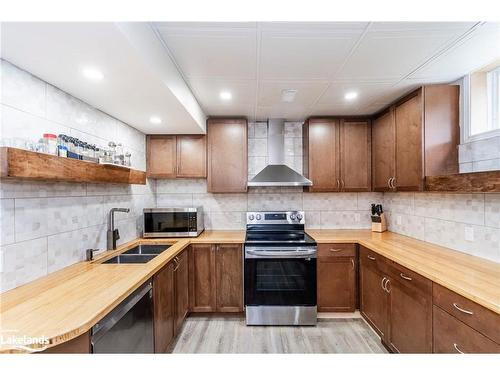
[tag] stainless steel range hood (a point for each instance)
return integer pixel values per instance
(277, 173)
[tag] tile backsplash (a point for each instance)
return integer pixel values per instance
(479, 156)
(47, 226)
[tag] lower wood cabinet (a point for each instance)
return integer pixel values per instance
(397, 303)
(216, 278)
(336, 277)
(78, 345)
(181, 275)
(164, 305)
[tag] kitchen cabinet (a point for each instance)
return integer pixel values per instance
(227, 155)
(336, 277)
(391, 296)
(216, 278)
(78, 345)
(416, 137)
(337, 154)
(164, 305)
(176, 156)
(181, 275)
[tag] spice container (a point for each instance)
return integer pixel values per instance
(127, 159)
(50, 142)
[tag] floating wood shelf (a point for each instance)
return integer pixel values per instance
(18, 163)
(477, 182)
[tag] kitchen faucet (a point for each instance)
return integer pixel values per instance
(112, 234)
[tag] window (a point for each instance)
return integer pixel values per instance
(481, 104)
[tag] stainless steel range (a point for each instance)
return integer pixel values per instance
(280, 270)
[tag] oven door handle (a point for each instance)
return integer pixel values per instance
(280, 254)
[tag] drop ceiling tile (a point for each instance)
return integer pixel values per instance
(394, 54)
(288, 112)
(207, 92)
(227, 53)
(473, 52)
(366, 92)
(307, 92)
(336, 109)
(237, 110)
(303, 56)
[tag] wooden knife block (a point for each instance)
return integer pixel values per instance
(380, 226)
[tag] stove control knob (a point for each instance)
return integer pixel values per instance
(258, 217)
(251, 217)
(299, 216)
(292, 216)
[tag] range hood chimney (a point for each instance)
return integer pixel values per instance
(277, 173)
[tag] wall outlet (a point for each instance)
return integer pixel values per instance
(399, 220)
(469, 234)
(357, 217)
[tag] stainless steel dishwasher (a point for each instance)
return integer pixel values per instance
(129, 327)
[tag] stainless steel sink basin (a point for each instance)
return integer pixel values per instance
(147, 249)
(130, 258)
(138, 254)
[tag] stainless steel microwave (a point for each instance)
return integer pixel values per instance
(173, 222)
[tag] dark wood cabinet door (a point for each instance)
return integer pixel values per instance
(355, 155)
(409, 138)
(323, 154)
(163, 299)
(383, 150)
(202, 295)
(410, 322)
(227, 155)
(161, 156)
(373, 299)
(181, 290)
(336, 279)
(229, 276)
(191, 156)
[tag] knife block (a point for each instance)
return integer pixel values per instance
(379, 223)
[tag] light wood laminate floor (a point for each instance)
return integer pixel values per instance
(214, 334)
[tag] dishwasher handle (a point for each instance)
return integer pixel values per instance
(106, 323)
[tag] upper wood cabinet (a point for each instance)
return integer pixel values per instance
(227, 155)
(337, 154)
(416, 137)
(176, 156)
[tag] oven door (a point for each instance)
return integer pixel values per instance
(280, 277)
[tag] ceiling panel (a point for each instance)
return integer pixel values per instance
(366, 92)
(202, 52)
(287, 111)
(207, 91)
(303, 56)
(391, 54)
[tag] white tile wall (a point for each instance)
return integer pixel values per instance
(47, 226)
(444, 218)
(479, 156)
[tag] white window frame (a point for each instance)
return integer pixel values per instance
(465, 115)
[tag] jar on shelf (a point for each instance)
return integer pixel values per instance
(50, 142)
(127, 159)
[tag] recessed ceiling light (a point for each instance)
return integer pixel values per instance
(92, 73)
(155, 120)
(288, 95)
(351, 95)
(225, 95)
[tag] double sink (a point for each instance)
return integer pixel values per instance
(138, 254)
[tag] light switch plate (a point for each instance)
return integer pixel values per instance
(399, 220)
(357, 218)
(469, 234)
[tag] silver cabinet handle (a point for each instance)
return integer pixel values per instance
(389, 182)
(338, 184)
(456, 348)
(393, 182)
(342, 183)
(386, 285)
(352, 262)
(382, 283)
(370, 257)
(335, 250)
(405, 277)
(462, 310)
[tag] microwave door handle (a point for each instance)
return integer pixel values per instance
(281, 254)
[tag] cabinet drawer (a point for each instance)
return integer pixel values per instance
(336, 250)
(453, 336)
(372, 259)
(409, 278)
(478, 317)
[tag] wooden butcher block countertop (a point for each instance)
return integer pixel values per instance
(67, 303)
